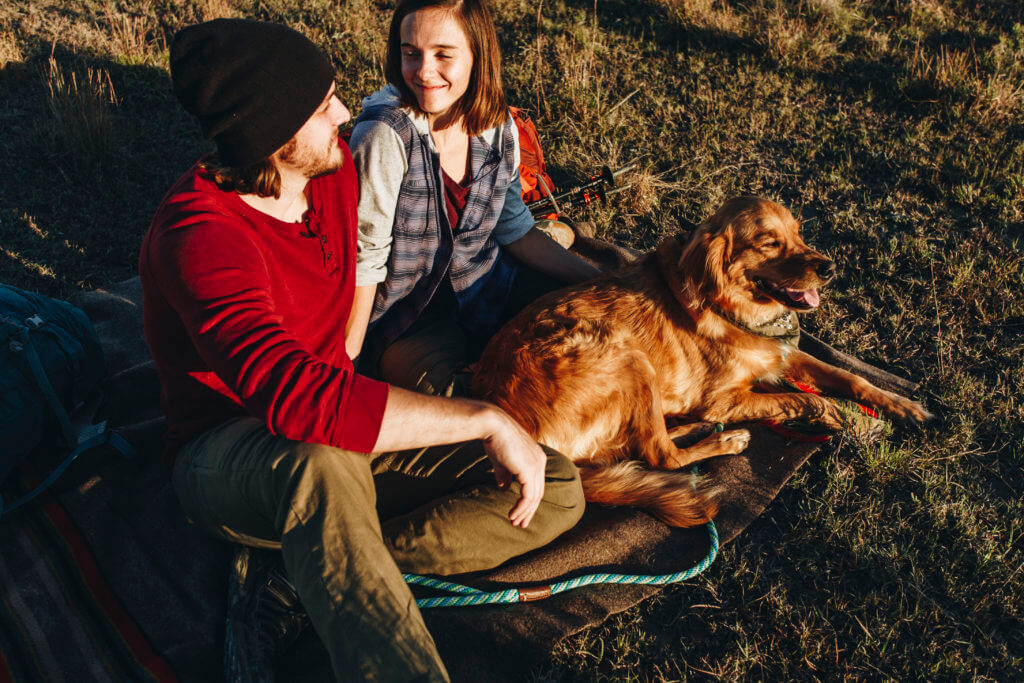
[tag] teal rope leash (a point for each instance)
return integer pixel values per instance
(467, 596)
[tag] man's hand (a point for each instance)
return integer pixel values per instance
(414, 420)
(517, 456)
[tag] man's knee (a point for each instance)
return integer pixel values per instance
(316, 475)
(563, 492)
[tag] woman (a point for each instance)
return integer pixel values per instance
(447, 249)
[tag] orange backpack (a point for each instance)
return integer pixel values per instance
(537, 183)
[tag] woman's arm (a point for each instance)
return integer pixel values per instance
(514, 231)
(542, 253)
(358, 318)
(381, 164)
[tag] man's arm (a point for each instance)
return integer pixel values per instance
(355, 328)
(542, 253)
(413, 420)
(214, 275)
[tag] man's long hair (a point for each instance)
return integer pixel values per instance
(261, 178)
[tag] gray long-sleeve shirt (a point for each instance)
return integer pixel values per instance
(381, 163)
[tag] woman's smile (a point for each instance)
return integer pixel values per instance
(437, 61)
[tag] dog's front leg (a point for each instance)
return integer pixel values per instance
(747, 405)
(832, 380)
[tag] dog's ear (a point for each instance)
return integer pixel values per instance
(704, 262)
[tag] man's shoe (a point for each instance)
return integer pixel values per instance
(264, 616)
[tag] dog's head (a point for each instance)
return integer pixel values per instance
(749, 259)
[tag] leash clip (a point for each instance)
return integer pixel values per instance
(536, 593)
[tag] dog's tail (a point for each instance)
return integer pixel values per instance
(678, 498)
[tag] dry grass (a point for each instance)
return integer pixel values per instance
(9, 49)
(131, 36)
(81, 107)
(894, 128)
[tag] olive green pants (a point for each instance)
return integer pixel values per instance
(433, 355)
(322, 507)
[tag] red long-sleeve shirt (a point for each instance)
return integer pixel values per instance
(245, 315)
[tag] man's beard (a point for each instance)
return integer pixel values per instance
(311, 162)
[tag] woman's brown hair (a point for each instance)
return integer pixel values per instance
(483, 104)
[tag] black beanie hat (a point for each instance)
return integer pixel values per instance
(251, 84)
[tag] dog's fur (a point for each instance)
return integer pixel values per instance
(594, 370)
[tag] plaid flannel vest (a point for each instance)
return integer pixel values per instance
(425, 248)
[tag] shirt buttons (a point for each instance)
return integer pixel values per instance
(323, 238)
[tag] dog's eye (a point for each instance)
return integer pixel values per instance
(772, 244)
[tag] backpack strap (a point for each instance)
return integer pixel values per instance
(43, 382)
(107, 436)
(23, 344)
(533, 174)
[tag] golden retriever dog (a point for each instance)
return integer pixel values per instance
(686, 332)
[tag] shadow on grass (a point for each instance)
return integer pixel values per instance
(654, 23)
(836, 602)
(73, 214)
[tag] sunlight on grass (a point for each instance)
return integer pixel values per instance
(81, 110)
(28, 264)
(894, 128)
(884, 459)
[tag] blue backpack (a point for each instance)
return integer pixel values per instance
(50, 363)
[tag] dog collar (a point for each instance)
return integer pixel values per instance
(785, 328)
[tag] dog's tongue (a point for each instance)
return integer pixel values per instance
(806, 296)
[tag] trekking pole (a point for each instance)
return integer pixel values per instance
(597, 187)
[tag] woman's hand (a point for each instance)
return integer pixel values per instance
(542, 253)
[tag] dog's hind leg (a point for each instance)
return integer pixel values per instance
(690, 430)
(659, 450)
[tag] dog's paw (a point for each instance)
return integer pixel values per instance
(729, 442)
(736, 440)
(826, 413)
(900, 409)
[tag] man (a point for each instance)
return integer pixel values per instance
(248, 276)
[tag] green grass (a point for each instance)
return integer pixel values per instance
(896, 131)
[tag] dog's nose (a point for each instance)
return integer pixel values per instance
(826, 269)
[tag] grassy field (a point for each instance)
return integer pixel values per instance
(894, 128)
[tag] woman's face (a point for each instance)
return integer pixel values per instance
(436, 59)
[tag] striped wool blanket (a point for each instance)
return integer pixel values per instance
(88, 592)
